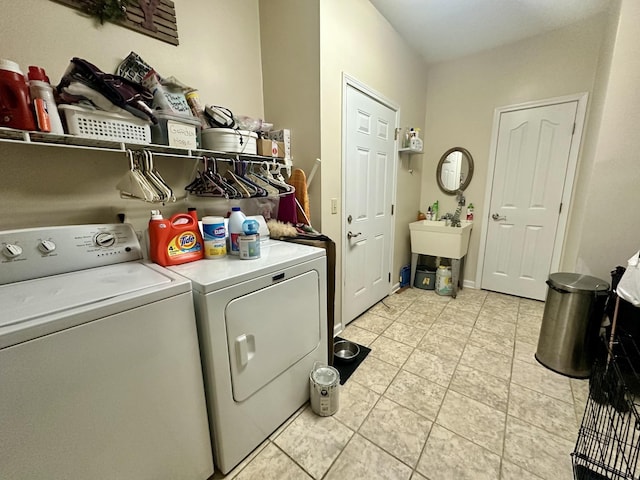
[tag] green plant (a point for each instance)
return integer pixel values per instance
(108, 10)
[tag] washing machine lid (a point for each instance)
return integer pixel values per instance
(48, 296)
(211, 275)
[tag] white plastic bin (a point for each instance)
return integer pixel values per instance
(230, 140)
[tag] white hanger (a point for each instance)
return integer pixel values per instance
(133, 184)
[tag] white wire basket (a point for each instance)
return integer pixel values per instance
(100, 125)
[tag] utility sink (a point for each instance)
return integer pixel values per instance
(430, 237)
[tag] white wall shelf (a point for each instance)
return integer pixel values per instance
(10, 135)
(410, 151)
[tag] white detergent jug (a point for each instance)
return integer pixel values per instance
(324, 389)
(444, 285)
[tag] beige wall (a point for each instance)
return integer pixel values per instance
(219, 53)
(463, 94)
(578, 212)
(290, 40)
(608, 234)
(356, 40)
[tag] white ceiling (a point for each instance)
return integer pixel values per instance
(446, 29)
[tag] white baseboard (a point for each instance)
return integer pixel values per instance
(337, 330)
(339, 327)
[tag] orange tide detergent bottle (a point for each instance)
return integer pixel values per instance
(176, 240)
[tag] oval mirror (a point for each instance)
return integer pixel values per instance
(455, 170)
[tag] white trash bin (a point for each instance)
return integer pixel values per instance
(444, 285)
(324, 389)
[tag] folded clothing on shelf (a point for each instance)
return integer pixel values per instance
(84, 82)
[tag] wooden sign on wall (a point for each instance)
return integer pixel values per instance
(156, 18)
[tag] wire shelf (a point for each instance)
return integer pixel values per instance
(9, 135)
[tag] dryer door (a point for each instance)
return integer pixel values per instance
(271, 329)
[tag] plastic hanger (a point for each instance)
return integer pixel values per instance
(152, 193)
(220, 180)
(164, 191)
(205, 183)
(133, 184)
(240, 169)
(268, 188)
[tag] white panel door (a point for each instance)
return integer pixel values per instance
(451, 171)
(369, 168)
(532, 155)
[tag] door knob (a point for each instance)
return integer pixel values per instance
(351, 235)
(498, 218)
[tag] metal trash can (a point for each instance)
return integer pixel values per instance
(570, 323)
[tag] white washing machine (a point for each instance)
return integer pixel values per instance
(262, 324)
(100, 374)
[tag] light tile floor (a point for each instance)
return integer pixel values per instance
(450, 391)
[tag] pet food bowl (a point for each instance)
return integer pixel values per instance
(345, 350)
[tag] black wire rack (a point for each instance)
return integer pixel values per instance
(608, 445)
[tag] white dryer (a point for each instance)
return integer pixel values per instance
(100, 373)
(262, 324)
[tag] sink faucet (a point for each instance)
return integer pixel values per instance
(452, 219)
(455, 218)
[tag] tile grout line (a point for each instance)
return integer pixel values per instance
(355, 432)
(473, 399)
(414, 348)
(296, 462)
(506, 418)
(413, 469)
(448, 388)
(422, 452)
(380, 395)
(424, 446)
(400, 368)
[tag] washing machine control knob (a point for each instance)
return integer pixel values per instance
(12, 251)
(105, 239)
(46, 246)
